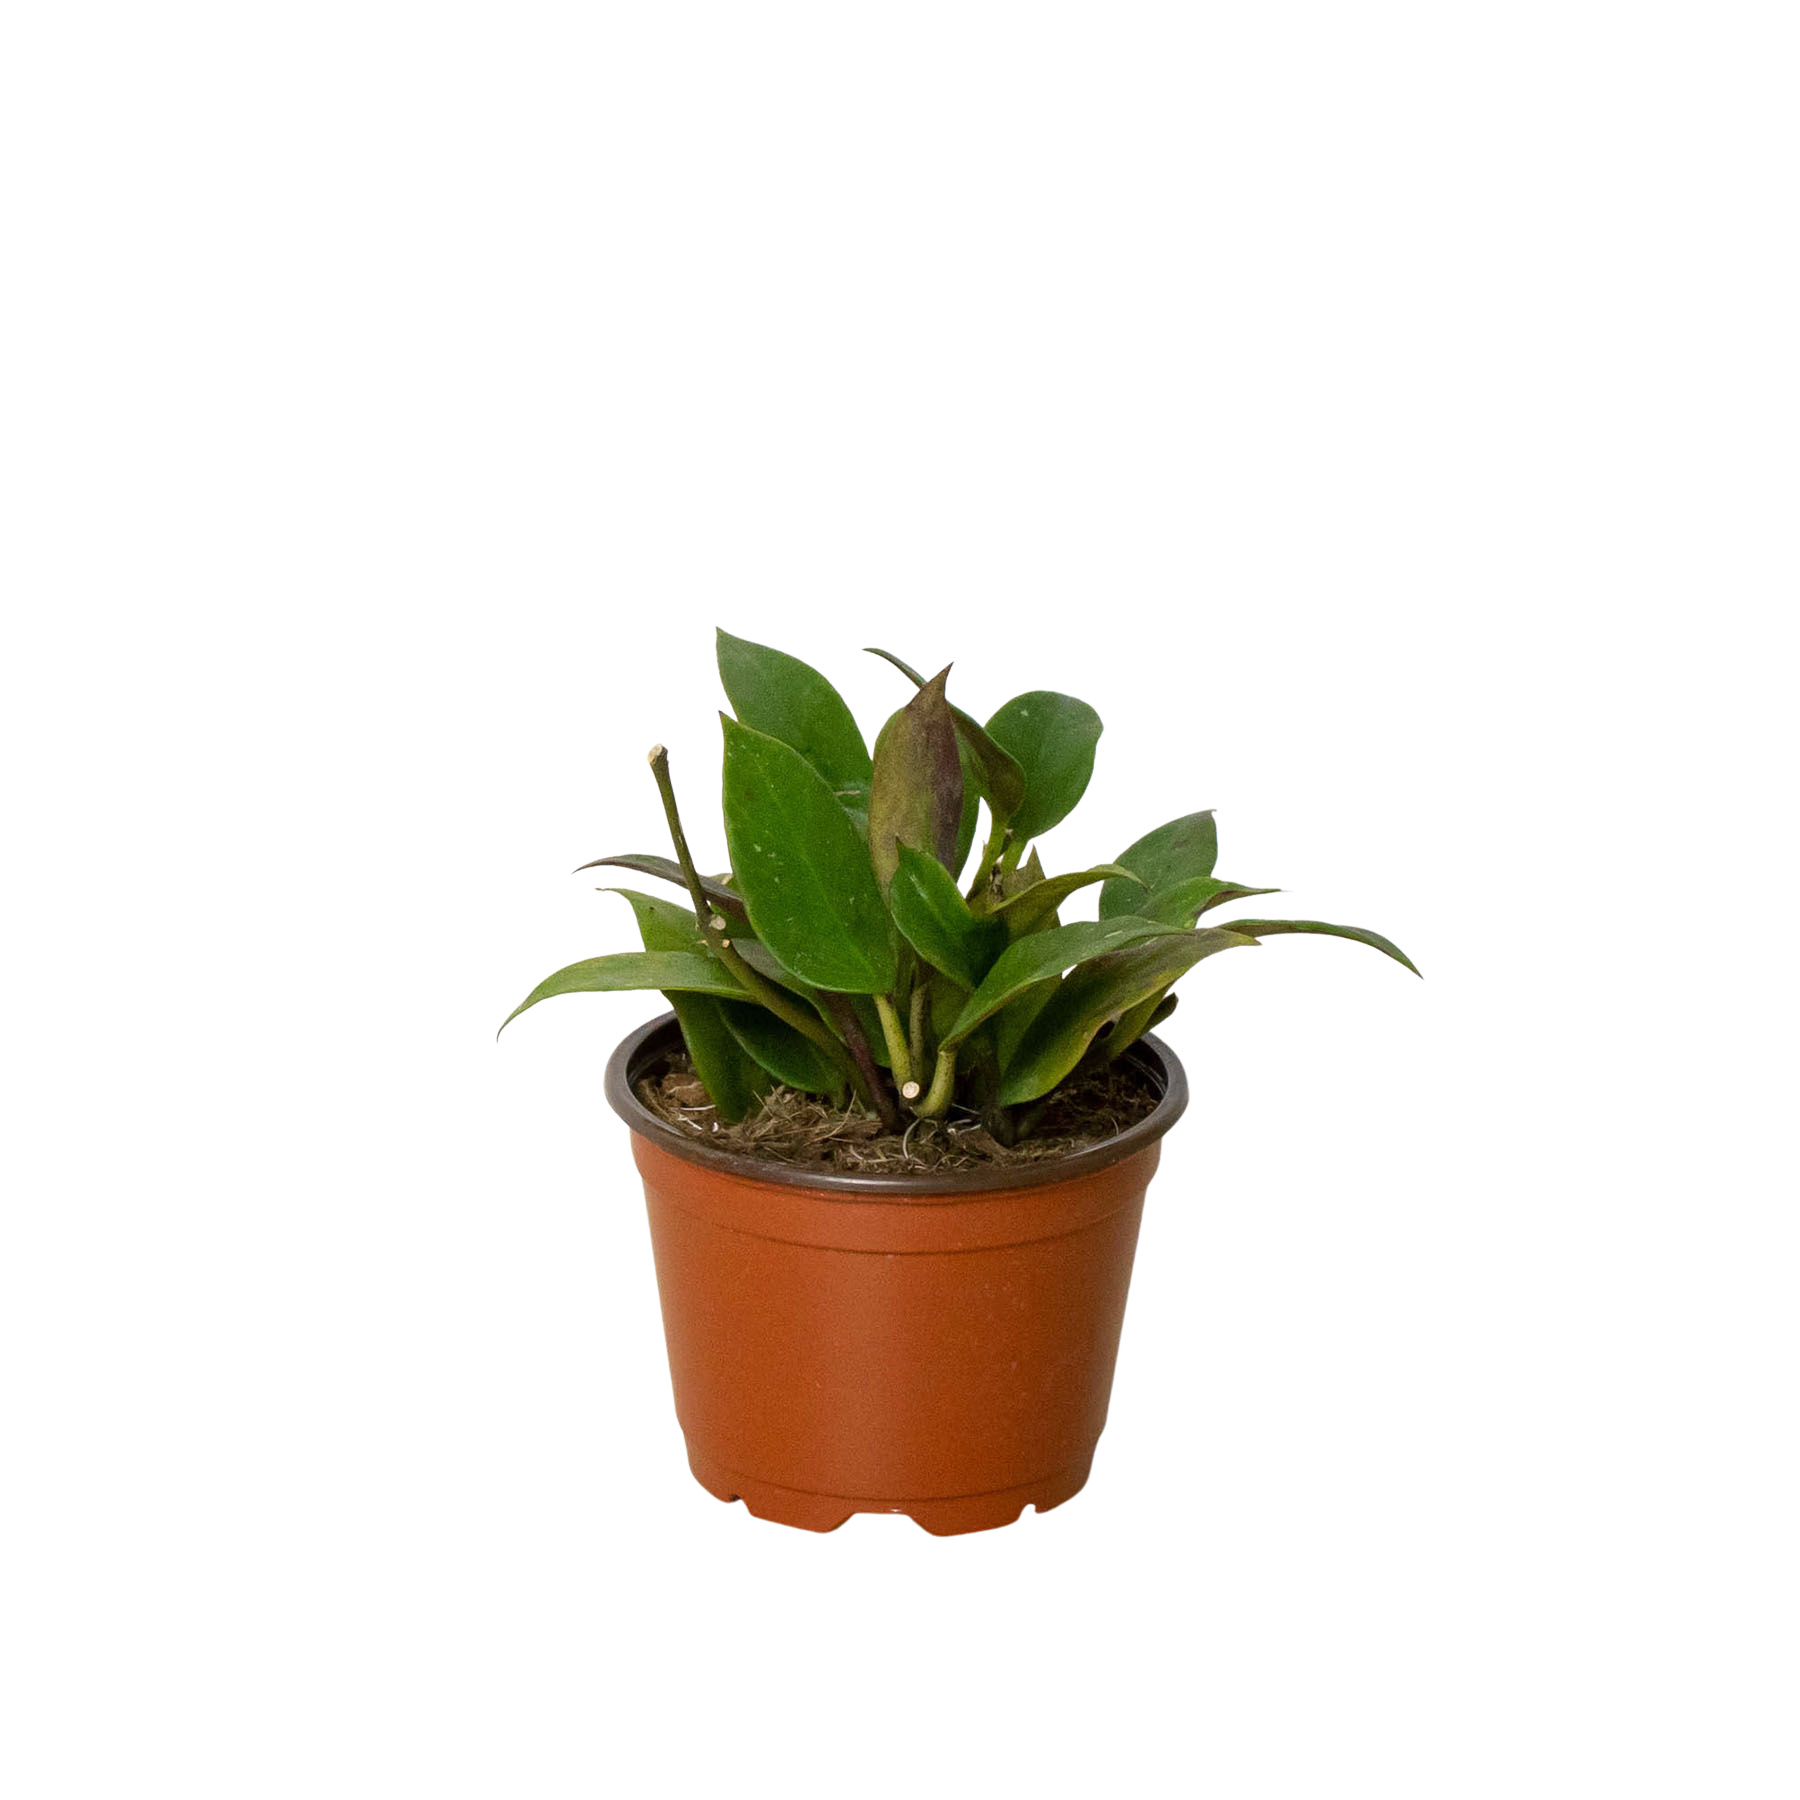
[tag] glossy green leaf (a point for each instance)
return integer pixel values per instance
(662, 924)
(801, 868)
(1052, 738)
(733, 1081)
(1281, 927)
(1183, 903)
(1093, 996)
(627, 971)
(1000, 779)
(759, 958)
(1178, 851)
(916, 793)
(667, 869)
(935, 919)
(789, 700)
(777, 1047)
(1131, 1025)
(1036, 905)
(1014, 1019)
(1044, 954)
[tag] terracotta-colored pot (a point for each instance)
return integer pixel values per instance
(936, 1345)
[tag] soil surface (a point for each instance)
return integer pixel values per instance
(802, 1131)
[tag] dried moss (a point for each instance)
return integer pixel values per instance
(802, 1131)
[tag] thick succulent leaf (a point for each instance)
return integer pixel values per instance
(1093, 996)
(801, 868)
(1183, 903)
(935, 919)
(1052, 738)
(1177, 851)
(777, 1047)
(732, 1079)
(1281, 927)
(784, 698)
(628, 971)
(916, 794)
(1045, 954)
(728, 903)
(1000, 779)
(1036, 905)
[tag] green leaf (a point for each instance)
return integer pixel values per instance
(628, 971)
(728, 903)
(1014, 882)
(1093, 996)
(1000, 779)
(1052, 738)
(935, 919)
(759, 958)
(916, 794)
(1037, 904)
(1183, 903)
(1177, 851)
(784, 698)
(971, 807)
(661, 923)
(1282, 927)
(1130, 1026)
(733, 1081)
(1044, 954)
(1014, 1019)
(801, 868)
(776, 1046)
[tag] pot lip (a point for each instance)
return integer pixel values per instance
(656, 1036)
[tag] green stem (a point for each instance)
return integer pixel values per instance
(898, 1057)
(915, 1026)
(984, 864)
(943, 1086)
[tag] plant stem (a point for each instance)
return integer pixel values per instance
(943, 1086)
(898, 1058)
(843, 1016)
(915, 1026)
(996, 838)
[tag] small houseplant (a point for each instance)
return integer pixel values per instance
(895, 1197)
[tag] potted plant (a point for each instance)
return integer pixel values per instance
(896, 1134)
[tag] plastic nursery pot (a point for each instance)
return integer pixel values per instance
(940, 1345)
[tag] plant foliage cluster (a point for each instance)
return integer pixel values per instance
(845, 954)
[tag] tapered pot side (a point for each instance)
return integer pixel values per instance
(939, 1344)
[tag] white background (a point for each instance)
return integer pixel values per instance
(1385, 415)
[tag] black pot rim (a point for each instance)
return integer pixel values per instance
(659, 1035)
